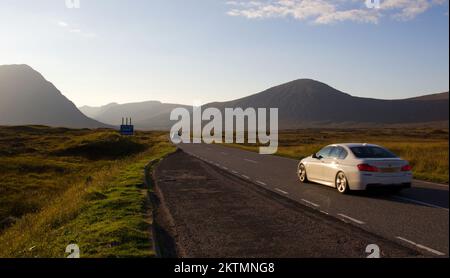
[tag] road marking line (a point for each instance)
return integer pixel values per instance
(261, 183)
(246, 177)
(225, 168)
(282, 191)
(251, 161)
(431, 183)
(235, 172)
(421, 246)
(351, 219)
(324, 212)
(311, 203)
(418, 202)
(217, 164)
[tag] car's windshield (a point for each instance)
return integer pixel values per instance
(371, 152)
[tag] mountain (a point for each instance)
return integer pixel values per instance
(27, 98)
(308, 103)
(440, 96)
(302, 103)
(151, 115)
(93, 112)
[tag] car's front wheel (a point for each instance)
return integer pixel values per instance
(342, 183)
(302, 173)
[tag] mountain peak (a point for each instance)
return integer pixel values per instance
(306, 88)
(26, 97)
(23, 70)
(23, 66)
(17, 67)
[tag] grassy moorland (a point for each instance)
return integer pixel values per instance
(62, 186)
(426, 149)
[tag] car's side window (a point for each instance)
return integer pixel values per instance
(338, 153)
(343, 154)
(325, 152)
(335, 152)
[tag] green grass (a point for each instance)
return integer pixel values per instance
(426, 149)
(57, 198)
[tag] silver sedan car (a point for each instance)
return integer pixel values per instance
(355, 166)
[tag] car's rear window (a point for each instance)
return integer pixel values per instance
(371, 152)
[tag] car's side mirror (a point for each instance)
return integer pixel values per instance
(316, 156)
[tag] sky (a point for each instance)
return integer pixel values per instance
(186, 51)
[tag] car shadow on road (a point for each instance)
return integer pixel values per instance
(426, 197)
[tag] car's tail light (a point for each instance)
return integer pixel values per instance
(406, 168)
(367, 168)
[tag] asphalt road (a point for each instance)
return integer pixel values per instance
(417, 218)
(202, 211)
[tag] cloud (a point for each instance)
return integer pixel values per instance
(331, 11)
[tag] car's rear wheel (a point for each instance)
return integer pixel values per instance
(342, 183)
(302, 173)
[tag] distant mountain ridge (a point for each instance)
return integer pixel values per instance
(309, 103)
(440, 96)
(306, 103)
(26, 98)
(93, 112)
(152, 115)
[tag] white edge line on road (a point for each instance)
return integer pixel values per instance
(418, 202)
(234, 172)
(421, 246)
(225, 168)
(352, 219)
(431, 183)
(246, 177)
(251, 161)
(324, 212)
(310, 203)
(282, 191)
(261, 183)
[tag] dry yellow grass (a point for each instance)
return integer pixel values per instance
(99, 203)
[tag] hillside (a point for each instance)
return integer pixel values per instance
(26, 98)
(302, 103)
(309, 103)
(150, 115)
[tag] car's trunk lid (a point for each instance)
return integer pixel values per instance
(387, 166)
